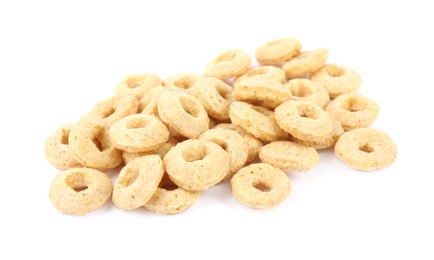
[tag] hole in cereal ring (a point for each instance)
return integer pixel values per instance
(194, 153)
(133, 83)
(65, 135)
(307, 111)
(129, 177)
(221, 143)
(185, 83)
(223, 92)
(366, 148)
(137, 123)
(76, 181)
(301, 90)
(99, 143)
(354, 104)
(262, 186)
(335, 71)
(189, 106)
(227, 56)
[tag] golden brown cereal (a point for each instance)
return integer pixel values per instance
(231, 63)
(137, 182)
(181, 82)
(138, 133)
(91, 146)
(263, 72)
(277, 51)
(57, 149)
(354, 111)
(183, 113)
(291, 156)
(78, 191)
(161, 151)
(305, 63)
(307, 90)
(196, 165)
(115, 108)
(137, 84)
(148, 104)
(260, 185)
(337, 79)
(366, 149)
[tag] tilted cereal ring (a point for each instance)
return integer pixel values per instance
(161, 151)
(115, 108)
(337, 79)
(277, 51)
(263, 72)
(137, 182)
(148, 104)
(91, 146)
(366, 149)
(215, 95)
(291, 156)
(304, 120)
(181, 82)
(138, 133)
(307, 90)
(231, 63)
(230, 141)
(137, 84)
(258, 121)
(305, 63)
(196, 165)
(57, 149)
(260, 185)
(183, 113)
(354, 111)
(78, 191)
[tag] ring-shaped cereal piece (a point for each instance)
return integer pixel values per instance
(115, 108)
(290, 156)
(277, 51)
(258, 121)
(196, 165)
(91, 146)
(137, 84)
(231, 63)
(57, 149)
(78, 191)
(366, 149)
(183, 113)
(337, 79)
(305, 63)
(137, 182)
(181, 82)
(138, 133)
(148, 104)
(353, 111)
(260, 185)
(161, 151)
(263, 72)
(307, 90)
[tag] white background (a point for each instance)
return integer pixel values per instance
(58, 59)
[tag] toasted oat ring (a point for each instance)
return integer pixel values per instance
(304, 120)
(161, 151)
(270, 94)
(57, 149)
(354, 111)
(230, 141)
(258, 121)
(137, 84)
(337, 79)
(305, 63)
(196, 165)
(260, 185)
(181, 82)
(307, 90)
(115, 108)
(263, 72)
(215, 95)
(137, 182)
(183, 113)
(366, 149)
(277, 51)
(138, 133)
(148, 104)
(78, 191)
(231, 63)
(291, 156)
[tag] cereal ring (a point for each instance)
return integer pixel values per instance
(337, 79)
(354, 111)
(57, 149)
(148, 104)
(258, 121)
(78, 191)
(115, 108)
(270, 94)
(231, 63)
(263, 72)
(91, 146)
(138, 133)
(181, 82)
(196, 165)
(366, 149)
(305, 63)
(183, 113)
(137, 84)
(277, 51)
(161, 151)
(137, 182)
(304, 120)
(307, 90)
(230, 141)
(290, 156)
(260, 185)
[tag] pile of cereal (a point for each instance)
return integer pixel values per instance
(236, 123)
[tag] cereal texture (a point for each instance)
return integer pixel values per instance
(337, 79)
(161, 151)
(305, 63)
(307, 90)
(148, 104)
(57, 149)
(263, 72)
(231, 63)
(115, 108)
(277, 51)
(137, 84)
